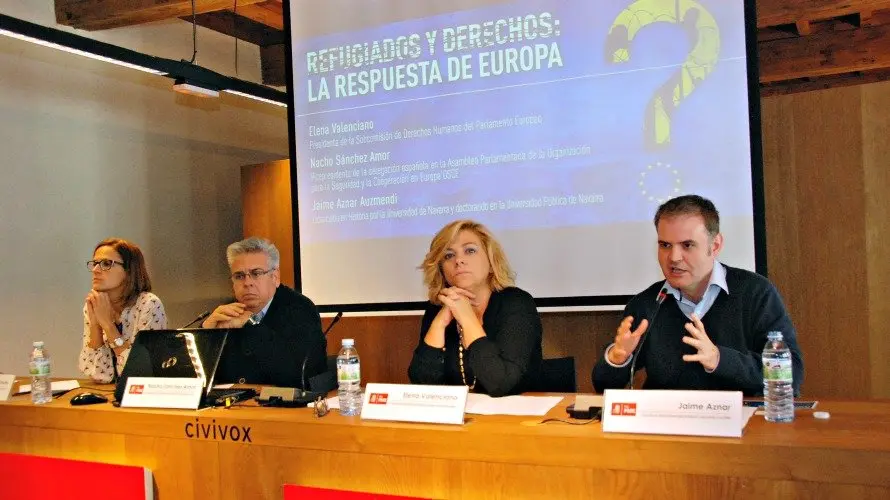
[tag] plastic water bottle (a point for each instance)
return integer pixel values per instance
(778, 392)
(349, 377)
(40, 368)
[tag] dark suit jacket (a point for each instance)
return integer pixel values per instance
(506, 361)
(272, 352)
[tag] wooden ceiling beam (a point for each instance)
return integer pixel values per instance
(95, 15)
(273, 65)
(228, 23)
(824, 54)
(828, 82)
(269, 12)
(865, 18)
(778, 12)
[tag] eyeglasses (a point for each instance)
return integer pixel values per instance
(320, 407)
(253, 273)
(104, 264)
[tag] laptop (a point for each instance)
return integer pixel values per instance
(187, 353)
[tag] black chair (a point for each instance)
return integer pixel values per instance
(558, 375)
(332, 363)
(327, 381)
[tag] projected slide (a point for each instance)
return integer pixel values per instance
(559, 124)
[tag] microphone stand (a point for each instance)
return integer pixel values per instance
(306, 359)
(334, 322)
(633, 364)
(200, 317)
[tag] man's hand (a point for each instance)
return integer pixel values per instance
(708, 354)
(233, 315)
(626, 341)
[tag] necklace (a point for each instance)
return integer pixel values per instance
(460, 358)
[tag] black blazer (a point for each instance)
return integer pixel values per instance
(506, 361)
(272, 352)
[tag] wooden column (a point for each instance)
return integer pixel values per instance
(266, 209)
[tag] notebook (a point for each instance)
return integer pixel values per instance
(188, 353)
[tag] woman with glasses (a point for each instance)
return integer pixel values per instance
(479, 329)
(120, 303)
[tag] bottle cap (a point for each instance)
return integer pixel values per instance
(348, 342)
(38, 343)
(821, 415)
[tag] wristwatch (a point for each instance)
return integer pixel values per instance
(118, 342)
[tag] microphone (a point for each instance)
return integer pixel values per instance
(633, 364)
(303, 372)
(293, 397)
(334, 322)
(327, 380)
(201, 317)
(304, 396)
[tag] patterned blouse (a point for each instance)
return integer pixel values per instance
(146, 314)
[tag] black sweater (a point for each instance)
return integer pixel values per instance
(272, 352)
(737, 324)
(506, 361)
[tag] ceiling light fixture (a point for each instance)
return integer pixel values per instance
(184, 87)
(72, 50)
(256, 98)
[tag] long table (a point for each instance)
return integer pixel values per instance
(250, 452)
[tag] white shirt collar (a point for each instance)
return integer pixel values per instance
(718, 278)
(262, 314)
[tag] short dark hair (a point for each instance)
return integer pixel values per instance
(691, 204)
(137, 280)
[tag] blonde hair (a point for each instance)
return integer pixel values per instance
(501, 276)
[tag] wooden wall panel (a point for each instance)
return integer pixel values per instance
(876, 156)
(266, 209)
(385, 344)
(816, 232)
(582, 335)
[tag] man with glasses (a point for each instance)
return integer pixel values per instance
(280, 328)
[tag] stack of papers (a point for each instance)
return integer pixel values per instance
(536, 406)
(58, 386)
(481, 404)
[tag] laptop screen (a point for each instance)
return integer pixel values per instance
(174, 353)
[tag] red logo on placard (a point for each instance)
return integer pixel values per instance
(378, 398)
(136, 389)
(624, 409)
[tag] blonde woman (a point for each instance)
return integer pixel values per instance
(479, 330)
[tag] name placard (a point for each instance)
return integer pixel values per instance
(689, 413)
(435, 404)
(154, 392)
(6, 382)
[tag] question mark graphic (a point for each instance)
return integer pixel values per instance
(704, 36)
